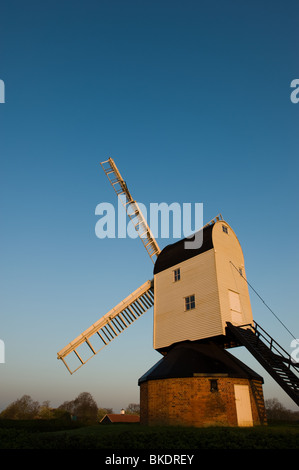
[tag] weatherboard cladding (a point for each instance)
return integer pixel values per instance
(177, 253)
(209, 274)
(172, 323)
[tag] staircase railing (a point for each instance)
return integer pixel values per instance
(275, 360)
(260, 333)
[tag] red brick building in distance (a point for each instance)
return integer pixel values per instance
(119, 418)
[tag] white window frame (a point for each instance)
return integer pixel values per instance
(177, 275)
(189, 302)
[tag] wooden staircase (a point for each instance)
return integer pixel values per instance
(258, 396)
(275, 360)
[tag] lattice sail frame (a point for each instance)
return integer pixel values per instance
(131, 206)
(101, 333)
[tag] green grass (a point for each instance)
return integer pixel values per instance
(16, 435)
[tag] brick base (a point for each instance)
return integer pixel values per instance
(190, 401)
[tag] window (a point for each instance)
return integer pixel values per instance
(176, 275)
(213, 385)
(190, 302)
(224, 229)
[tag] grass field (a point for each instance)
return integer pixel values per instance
(45, 435)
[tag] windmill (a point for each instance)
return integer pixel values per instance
(200, 298)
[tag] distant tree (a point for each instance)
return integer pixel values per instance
(23, 408)
(133, 409)
(45, 412)
(68, 406)
(61, 414)
(83, 408)
(104, 411)
(277, 412)
(86, 408)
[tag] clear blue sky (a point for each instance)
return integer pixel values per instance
(192, 100)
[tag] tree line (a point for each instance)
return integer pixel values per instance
(83, 409)
(277, 412)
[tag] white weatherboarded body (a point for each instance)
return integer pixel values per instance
(198, 291)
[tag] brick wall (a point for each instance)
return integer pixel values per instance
(190, 402)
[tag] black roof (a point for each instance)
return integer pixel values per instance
(176, 252)
(188, 359)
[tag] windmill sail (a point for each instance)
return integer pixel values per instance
(132, 208)
(97, 336)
